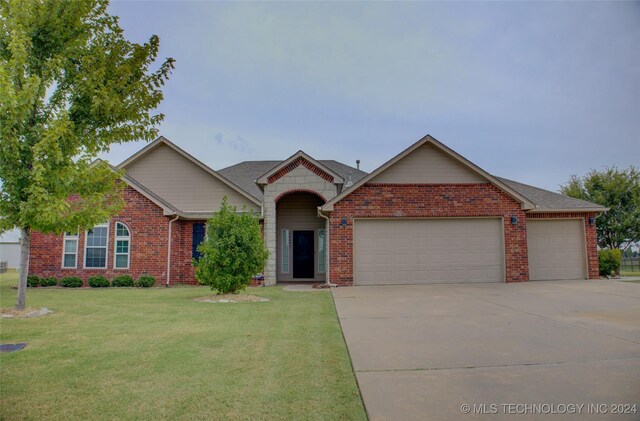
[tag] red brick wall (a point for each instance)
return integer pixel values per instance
(426, 201)
(148, 246)
(590, 235)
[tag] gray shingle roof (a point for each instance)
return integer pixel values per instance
(245, 174)
(546, 199)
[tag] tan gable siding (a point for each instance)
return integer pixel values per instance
(427, 165)
(181, 182)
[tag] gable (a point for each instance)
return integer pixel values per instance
(419, 168)
(181, 182)
(428, 165)
(295, 164)
(296, 160)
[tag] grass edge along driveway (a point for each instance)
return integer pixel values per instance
(126, 353)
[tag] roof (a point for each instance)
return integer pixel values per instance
(532, 199)
(428, 139)
(546, 200)
(246, 173)
(243, 176)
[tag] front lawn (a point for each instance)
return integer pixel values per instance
(156, 354)
(627, 273)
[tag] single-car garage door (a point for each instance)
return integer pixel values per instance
(556, 249)
(422, 251)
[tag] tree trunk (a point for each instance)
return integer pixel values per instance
(25, 245)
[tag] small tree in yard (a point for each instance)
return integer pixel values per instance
(232, 252)
(71, 86)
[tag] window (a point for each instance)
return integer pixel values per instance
(199, 231)
(123, 241)
(70, 250)
(322, 251)
(285, 251)
(95, 255)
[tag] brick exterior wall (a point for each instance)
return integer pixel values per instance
(590, 235)
(426, 201)
(149, 229)
(183, 271)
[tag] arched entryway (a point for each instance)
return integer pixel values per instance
(300, 237)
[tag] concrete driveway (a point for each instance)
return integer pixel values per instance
(533, 350)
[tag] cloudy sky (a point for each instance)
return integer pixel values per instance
(530, 91)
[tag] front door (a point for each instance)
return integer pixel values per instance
(303, 254)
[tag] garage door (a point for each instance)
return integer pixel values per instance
(556, 249)
(421, 251)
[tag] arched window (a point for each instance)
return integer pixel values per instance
(122, 246)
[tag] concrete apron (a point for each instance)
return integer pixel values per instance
(425, 352)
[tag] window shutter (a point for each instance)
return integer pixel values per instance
(198, 237)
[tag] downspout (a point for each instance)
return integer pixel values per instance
(328, 256)
(169, 250)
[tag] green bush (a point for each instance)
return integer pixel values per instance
(145, 281)
(33, 281)
(122, 281)
(609, 261)
(98, 281)
(233, 250)
(71, 282)
(48, 282)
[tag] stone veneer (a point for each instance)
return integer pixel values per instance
(298, 179)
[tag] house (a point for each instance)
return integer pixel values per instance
(428, 215)
(10, 249)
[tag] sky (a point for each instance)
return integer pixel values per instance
(531, 91)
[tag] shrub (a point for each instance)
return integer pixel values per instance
(98, 281)
(233, 250)
(48, 282)
(122, 281)
(609, 261)
(145, 281)
(33, 281)
(71, 282)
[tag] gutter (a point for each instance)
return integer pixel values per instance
(568, 210)
(328, 256)
(169, 250)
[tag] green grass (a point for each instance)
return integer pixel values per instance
(156, 354)
(623, 273)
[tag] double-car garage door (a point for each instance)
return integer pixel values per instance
(422, 251)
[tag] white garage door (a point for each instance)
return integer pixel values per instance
(556, 249)
(421, 251)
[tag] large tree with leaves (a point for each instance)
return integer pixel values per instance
(71, 86)
(619, 190)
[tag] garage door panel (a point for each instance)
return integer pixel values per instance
(556, 249)
(415, 251)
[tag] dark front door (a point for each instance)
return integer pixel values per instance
(303, 254)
